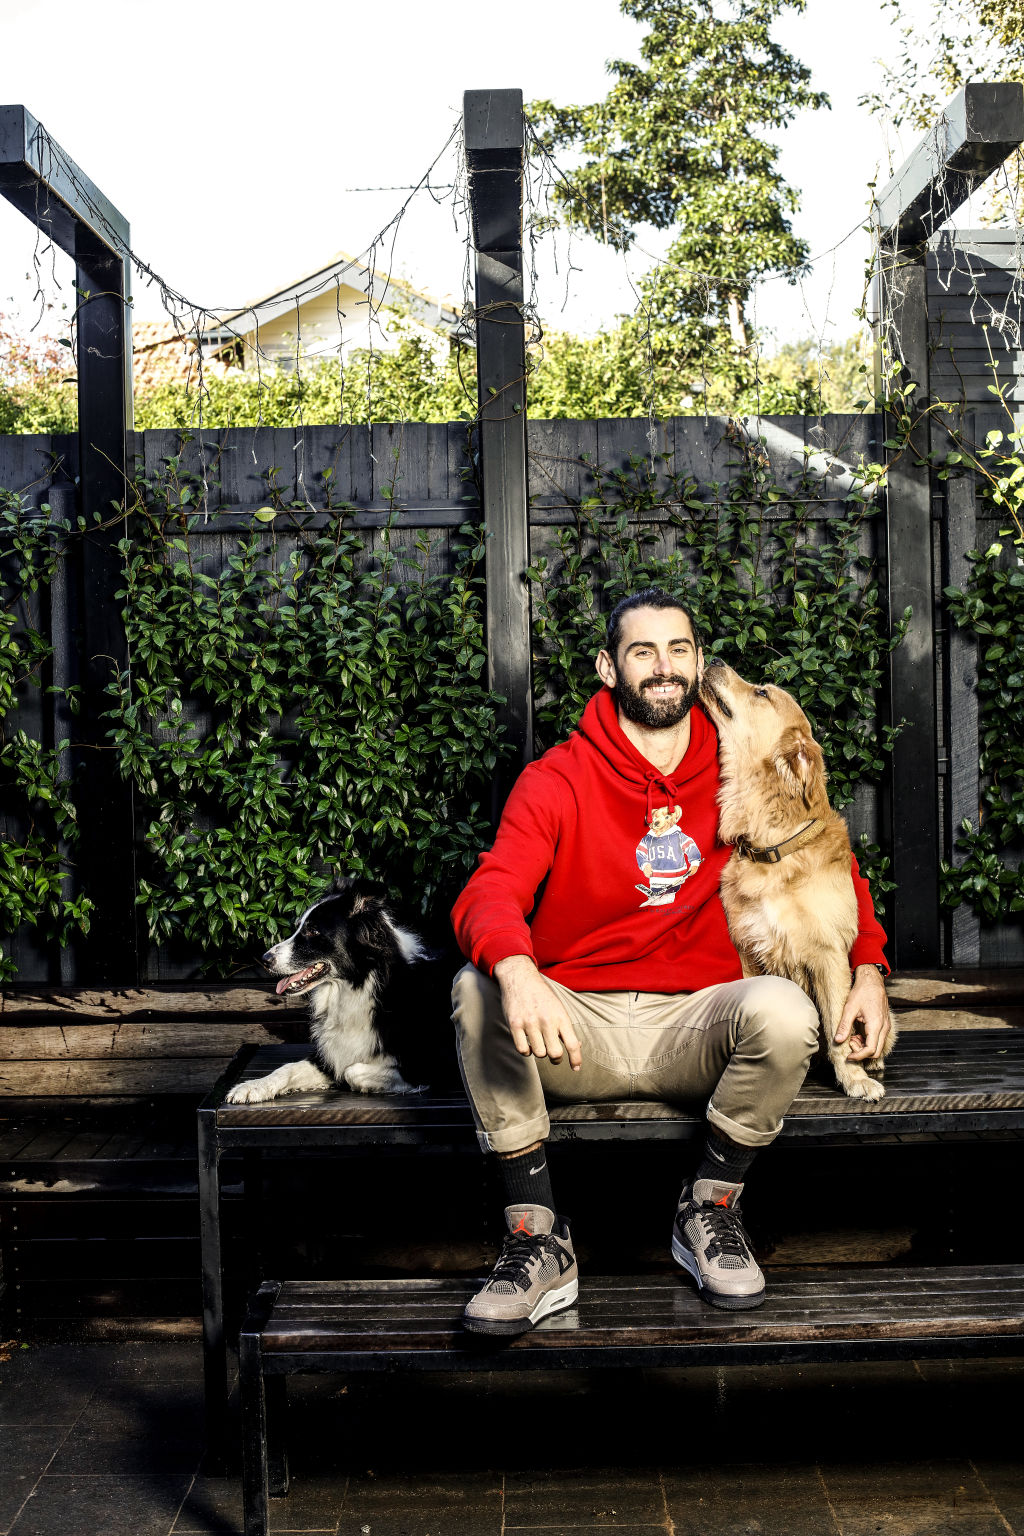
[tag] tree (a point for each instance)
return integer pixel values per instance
(679, 143)
(37, 393)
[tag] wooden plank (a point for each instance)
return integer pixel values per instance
(163, 1038)
(64, 1219)
(80, 1079)
(323, 471)
(963, 785)
(955, 987)
(933, 1073)
(249, 454)
(462, 471)
(974, 133)
(178, 1000)
(139, 1257)
(119, 1298)
(981, 279)
(389, 456)
(25, 464)
(913, 1019)
(973, 368)
(398, 1317)
(557, 472)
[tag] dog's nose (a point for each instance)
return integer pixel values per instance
(713, 661)
(268, 958)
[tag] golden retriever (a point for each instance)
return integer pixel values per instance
(792, 912)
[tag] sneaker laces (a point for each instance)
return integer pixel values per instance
(725, 1228)
(512, 1271)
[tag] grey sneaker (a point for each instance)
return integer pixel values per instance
(535, 1274)
(708, 1239)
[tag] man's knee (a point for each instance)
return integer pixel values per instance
(474, 999)
(782, 1017)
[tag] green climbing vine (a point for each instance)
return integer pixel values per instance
(308, 706)
(39, 828)
(988, 873)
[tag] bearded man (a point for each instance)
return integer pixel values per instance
(587, 991)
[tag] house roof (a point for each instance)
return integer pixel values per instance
(163, 353)
(341, 268)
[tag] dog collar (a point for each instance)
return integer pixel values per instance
(777, 853)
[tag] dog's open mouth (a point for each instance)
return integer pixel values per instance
(302, 979)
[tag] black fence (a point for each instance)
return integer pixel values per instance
(422, 477)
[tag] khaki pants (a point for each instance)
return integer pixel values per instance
(742, 1048)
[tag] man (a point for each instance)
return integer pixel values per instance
(591, 991)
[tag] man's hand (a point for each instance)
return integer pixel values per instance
(535, 1014)
(866, 1006)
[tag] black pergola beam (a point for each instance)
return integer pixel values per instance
(42, 181)
(494, 139)
(976, 131)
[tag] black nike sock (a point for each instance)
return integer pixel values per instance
(526, 1178)
(723, 1159)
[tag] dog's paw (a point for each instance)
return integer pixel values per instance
(247, 1093)
(372, 1077)
(862, 1088)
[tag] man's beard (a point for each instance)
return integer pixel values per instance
(655, 714)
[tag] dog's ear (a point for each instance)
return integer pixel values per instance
(369, 930)
(800, 764)
(359, 895)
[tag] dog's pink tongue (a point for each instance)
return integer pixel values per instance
(286, 981)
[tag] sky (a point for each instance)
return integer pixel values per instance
(231, 135)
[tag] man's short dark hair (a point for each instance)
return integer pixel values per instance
(650, 597)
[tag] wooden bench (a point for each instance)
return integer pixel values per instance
(958, 1074)
(845, 1314)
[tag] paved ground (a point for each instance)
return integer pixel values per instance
(105, 1439)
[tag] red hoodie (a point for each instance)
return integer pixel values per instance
(628, 885)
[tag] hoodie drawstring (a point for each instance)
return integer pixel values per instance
(670, 790)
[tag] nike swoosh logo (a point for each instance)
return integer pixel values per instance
(540, 1169)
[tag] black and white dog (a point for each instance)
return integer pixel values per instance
(369, 999)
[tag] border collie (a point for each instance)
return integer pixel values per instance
(366, 998)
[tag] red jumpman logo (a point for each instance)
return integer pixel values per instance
(522, 1227)
(725, 1198)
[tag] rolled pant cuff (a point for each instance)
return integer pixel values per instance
(741, 1134)
(515, 1138)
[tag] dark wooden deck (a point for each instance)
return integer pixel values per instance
(969, 1081)
(826, 1314)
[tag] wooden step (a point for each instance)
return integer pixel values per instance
(809, 1314)
(937, 1081)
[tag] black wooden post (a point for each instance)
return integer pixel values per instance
(493, 122)
(106, 818)
(975, 133)
(961, 703)
(42, 180)
(914, 795)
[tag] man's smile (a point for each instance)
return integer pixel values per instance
(666, 686)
